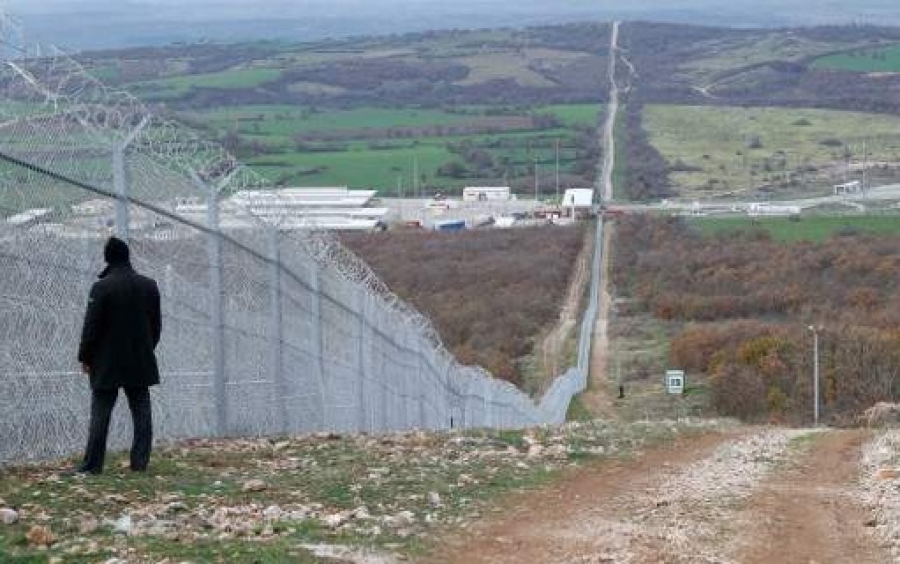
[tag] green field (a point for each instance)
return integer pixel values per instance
(355, 168)
(721, 150)
(873, 59)
(369, 147)
(227, 79)
(806, 229)
(283, 120)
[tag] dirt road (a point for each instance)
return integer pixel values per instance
(811, 512)
(552, 345)
(747, 496)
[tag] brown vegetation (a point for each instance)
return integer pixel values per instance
(489, 293)
(745, 302)
(661, 52)
(645, 175)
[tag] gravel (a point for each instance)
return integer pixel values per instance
(686, 513)
(880, 483)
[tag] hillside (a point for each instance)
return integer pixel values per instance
(435, 111)
(490, 293)
(737, 304)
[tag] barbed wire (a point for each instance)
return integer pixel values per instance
(267, 330)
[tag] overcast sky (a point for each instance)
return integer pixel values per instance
(86, 24)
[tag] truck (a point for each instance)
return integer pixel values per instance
(450, 225)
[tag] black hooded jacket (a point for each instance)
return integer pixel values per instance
(121, 330)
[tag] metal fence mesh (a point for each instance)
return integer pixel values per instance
(266, 331)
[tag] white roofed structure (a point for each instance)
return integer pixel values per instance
(486, 193)
(578, 198)
(293, 208)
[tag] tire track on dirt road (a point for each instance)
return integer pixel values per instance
(675, 503)
(813, 511)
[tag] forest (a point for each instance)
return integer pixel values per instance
(742, 304)
(490, 293)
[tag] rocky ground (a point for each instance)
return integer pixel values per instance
(307, 499)
(746, 496)
(674, 492)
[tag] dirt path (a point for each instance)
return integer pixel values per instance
(812, 512)
(597, 396)
(749, 496)
(567, 521)
(553, 343)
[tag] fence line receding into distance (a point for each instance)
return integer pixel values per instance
(266, 331)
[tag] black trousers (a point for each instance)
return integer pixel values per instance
(102, 403)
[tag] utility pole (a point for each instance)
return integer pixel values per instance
(557, 173)
(534, 212)
(415, 177)
(815, 332)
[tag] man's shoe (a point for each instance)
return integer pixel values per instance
(81, 471)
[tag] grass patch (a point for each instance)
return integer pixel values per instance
(807, 229)
(719, 150)
(867, 59)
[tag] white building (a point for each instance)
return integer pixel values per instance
(292, 208)
(486, 194)
(851, 187)
(766, 209)
(578, 198)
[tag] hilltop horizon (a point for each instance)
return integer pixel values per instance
(103, 24)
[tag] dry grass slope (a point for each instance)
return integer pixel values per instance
(489, 293)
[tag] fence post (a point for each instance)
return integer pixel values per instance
(120, 180)
(318, 341)
(363, 374)
(120, 183)
(217, 309)
(418, 381)
(277, 329)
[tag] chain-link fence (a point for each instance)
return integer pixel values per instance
(265, 331)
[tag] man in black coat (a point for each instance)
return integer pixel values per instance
(121, 330)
